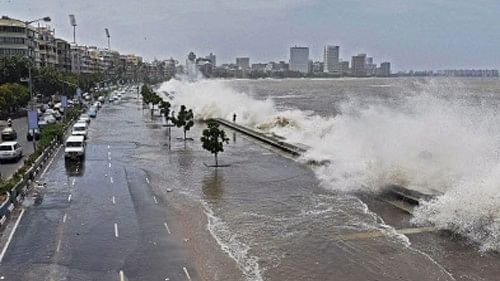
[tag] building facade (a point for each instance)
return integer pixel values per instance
(331, 59)
(358, 65)
(299, 59)
(63, 54)
(384, 70)
(17, 39)
(243, 63)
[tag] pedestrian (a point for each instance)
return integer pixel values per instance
(234, 118)
(9, 122)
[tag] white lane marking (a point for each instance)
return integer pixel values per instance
(69, 198)
(116, 230)
(111, 179)
(58, 246)
(122, 276)
(109, 147)
(64, 218)
(113, 200)
(156, 200)
(109, 165)
(166, 227)
(73, 182)
(11, 235)
(187, 273)
(147, 180)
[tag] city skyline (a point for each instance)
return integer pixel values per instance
(424, 35)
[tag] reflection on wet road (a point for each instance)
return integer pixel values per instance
(96, 220)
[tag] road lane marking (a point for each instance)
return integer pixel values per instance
(73, 182)
(116, 230)
(113, 200)
(187, 273)
(64, 218)
(147, 180)
(111, 179)
(156, 200)
(58, 246)
(109, 147)
(109, 165)
(2, 254)
(166, 227)
(122, 276)
(69, 198)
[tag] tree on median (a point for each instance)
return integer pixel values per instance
(213, 139)
(184, 119)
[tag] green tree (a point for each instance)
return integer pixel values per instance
(13, 69)
(213, 139)
(165, 109)
(13, 96)
(184, 119)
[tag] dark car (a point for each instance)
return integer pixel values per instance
(29, 136)
(9, 134)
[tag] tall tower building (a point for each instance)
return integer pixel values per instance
(243, 62)
(358, 65)
(331, 59)
(299, 59)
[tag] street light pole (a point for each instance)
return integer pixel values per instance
(30, 58)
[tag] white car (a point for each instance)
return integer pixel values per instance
(48, 118)
(80, 129)
(11, 150)
(84, 118)
(74, 148)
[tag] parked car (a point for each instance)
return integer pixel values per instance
(74, 148)
(80, 129)
(84, 117)
(31, 133)
(9, 134)
(10, 150)
(92, 112)
(48, 118)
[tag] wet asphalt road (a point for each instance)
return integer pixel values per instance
(7, 169)
(97, 221)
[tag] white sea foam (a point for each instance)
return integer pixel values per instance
(439, 138)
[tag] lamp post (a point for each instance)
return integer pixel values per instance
(30, 58)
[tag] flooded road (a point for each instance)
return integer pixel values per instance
(146, 209)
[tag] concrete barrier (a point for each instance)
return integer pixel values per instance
(410, 196)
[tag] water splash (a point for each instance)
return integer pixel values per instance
(436, 138)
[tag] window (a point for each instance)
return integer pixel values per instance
(5, 148)
(11, 40)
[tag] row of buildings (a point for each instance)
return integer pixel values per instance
(361, 65)
(299, 65)
(44, 49)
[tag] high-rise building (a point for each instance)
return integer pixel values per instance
(331, 59)
(211, 57)
(358, 65)
(344, 68)
(299, 59)
(243, 62)
(385, 69)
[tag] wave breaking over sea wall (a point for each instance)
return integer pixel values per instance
(438, 139)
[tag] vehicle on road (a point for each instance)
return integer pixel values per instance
(10, 150)
(97, 104)
(9, 134)
(80, 129)
(85, 118)
(35, 132)
(48, 118)
(74, 148)
(92, 112)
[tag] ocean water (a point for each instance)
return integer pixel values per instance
(438, 136)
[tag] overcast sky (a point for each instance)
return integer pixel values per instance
(412, 34)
